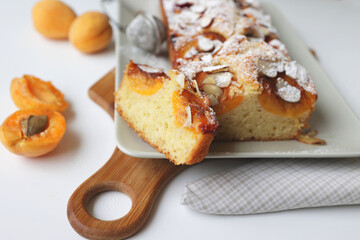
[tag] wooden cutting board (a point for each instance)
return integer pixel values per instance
(141, 179)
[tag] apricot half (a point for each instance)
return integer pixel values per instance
(53, 18)
(32, 133)
(30, 92)
(271, 102)
(90, 32)
(142, 81)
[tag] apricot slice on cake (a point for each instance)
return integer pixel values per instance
(32, 133)
(30, 92)
(271, 100)
(145, 80)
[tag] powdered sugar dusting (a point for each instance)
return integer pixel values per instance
(287, 92)
(226, 17)
(277, 44)
(247, 56)
(190, 68)
(232, 44)
(298, 72)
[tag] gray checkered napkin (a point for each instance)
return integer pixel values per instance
(267, 185)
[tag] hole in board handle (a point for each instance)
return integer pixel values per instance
(109, 205)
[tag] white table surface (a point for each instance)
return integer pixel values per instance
(34, 192)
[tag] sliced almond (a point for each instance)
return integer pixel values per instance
(189, 16)
(312, 133)
(222, 79)
(218, 45)
(287, 92)
(213, 100)
(207, 57)
(205, 44)
(188, 120)
(191, 53)
(212, 90)
(206, 21)
(209, 80)
(268, 68)
(215, 69)
(264, 31)
(307, 139)
(149, 69)
(196, 87)
(198, 8)
(180, 78)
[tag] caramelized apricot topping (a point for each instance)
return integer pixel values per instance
(32, 133)
(30, 92)
(194, 44)
(225, 101)
(144, 79)
(272, 102)
(202, 117)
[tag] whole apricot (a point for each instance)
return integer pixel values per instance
(30, 92)
(90, 32)
(32, 132)
(53, 18)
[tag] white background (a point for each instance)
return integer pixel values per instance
(34, 192)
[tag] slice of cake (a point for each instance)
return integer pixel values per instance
(167, 111)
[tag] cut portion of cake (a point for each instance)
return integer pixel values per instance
(167, 112)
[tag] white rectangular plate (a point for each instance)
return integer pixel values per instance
(333, 118)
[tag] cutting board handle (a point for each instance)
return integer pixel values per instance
(140, 179)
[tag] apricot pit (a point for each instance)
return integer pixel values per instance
(33, 125)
